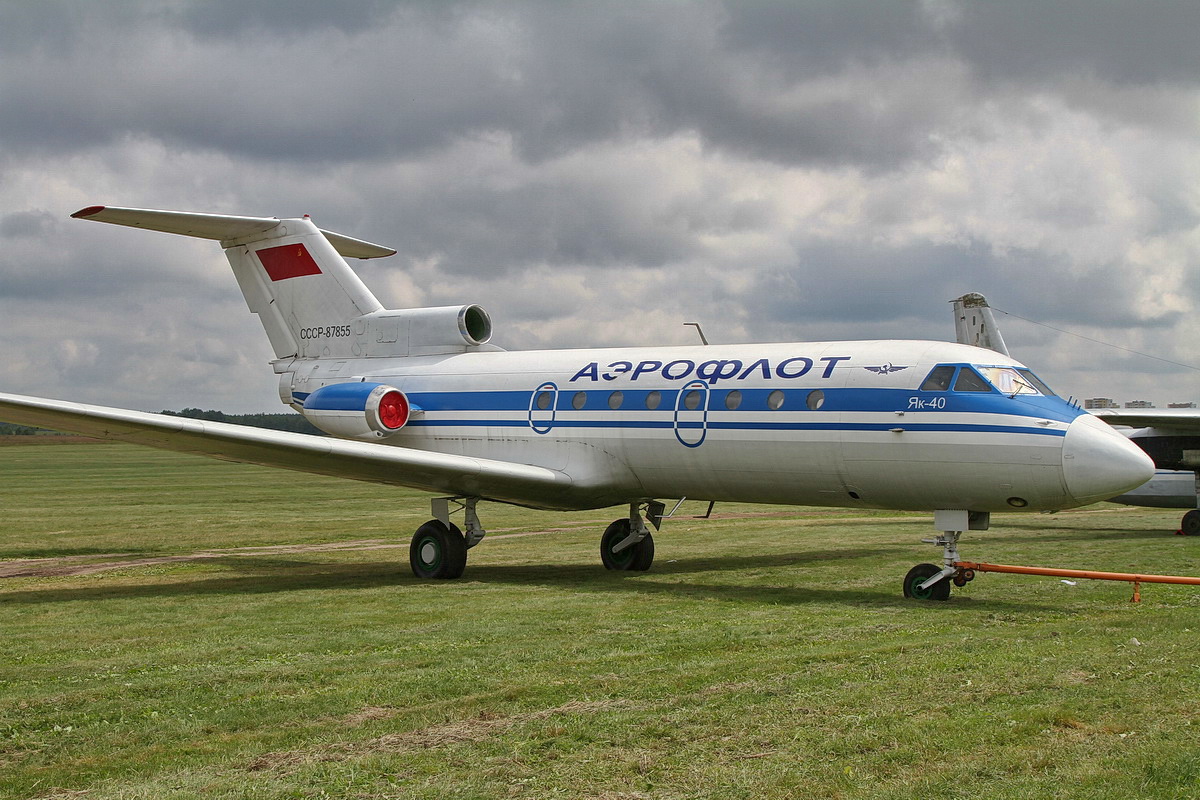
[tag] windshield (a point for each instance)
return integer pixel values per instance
(1013, 381)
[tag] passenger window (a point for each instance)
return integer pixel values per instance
(938, 380)
(816, 399)
(543, 400)
(579, 400)
(653, 399)
(970, 381)
(691, 400)
(615, 400)
(775, 400)
(733, 400)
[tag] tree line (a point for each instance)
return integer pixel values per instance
(276, 422)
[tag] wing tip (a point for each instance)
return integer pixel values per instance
(90, 211)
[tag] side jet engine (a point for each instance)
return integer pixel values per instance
(358, 410)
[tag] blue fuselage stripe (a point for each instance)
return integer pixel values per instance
(668, 424)
(795, 399)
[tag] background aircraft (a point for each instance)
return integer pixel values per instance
(1171, 437)
(420, 398)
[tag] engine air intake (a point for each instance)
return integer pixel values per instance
(358, 410)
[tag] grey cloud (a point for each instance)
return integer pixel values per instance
(20, 224)
(365, 80)
(835, 281)
(1126, 43)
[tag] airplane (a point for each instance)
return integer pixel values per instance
(1171, 437)
(421, 398)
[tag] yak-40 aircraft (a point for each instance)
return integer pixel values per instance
(419, 398)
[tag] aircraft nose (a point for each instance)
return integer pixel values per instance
(1099, 463)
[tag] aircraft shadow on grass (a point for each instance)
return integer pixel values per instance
(264, 575)
(1070, 533)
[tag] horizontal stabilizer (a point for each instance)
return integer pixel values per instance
(221, 227)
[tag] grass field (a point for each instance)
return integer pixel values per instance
(173, 627)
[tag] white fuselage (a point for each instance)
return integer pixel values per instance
(819, 423)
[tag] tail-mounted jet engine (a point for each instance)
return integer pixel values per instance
(358, 410)
(422, 331)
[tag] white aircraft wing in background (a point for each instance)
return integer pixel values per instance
(1182, 419)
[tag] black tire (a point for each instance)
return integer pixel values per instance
(644, 556)
(1191, 523)
(918, 575)
(438, 551)
(639, 557)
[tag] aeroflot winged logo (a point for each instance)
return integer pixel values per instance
(886, 369)
(712, 371)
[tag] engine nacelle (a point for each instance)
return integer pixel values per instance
(358, 410)
(423, 331)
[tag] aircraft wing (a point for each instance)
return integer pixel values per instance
(1175, 418)
(366, 461)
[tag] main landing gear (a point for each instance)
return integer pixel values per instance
(627, 543)
(930, 582)
(439, 548)
(1190, 524)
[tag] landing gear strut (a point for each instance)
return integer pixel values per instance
(1190, 524)
(439, 548)
(929, 582)
(627, 543)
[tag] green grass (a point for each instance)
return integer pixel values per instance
(768, 653)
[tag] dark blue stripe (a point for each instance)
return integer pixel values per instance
(794, 399)
(668, 424)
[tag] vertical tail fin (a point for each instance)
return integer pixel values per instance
(292, 274)
(974, 323)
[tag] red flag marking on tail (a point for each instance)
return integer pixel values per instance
(288, 261)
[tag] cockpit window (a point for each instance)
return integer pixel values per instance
(1037, 383)
(969, 381)
(1013, 381)
(938, 380)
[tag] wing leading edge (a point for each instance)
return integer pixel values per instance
(1184, 419)
(365, 461)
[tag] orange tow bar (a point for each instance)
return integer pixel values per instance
(1134, 578)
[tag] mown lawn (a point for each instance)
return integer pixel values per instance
(261, 636)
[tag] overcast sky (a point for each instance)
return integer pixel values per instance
(597, 173)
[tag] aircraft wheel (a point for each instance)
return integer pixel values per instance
(438, 551)
(918, 575)
(1191, 523)
(638, 557)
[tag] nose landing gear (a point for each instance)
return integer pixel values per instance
(930, 582)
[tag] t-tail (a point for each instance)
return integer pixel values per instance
(294, 276)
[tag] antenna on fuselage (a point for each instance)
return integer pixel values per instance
(699, 330)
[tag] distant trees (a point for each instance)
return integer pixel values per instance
(7, 429)
(276, 422)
